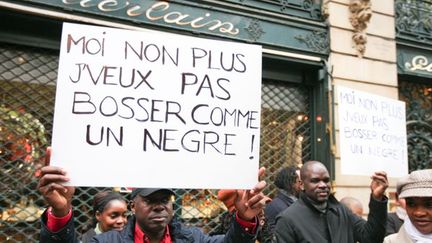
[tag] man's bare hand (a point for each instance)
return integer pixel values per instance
(250, 203)
(50, 185)
(379, 184)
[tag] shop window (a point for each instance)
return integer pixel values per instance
(27, 91)
(285, 127)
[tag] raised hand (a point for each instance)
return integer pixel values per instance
(379, 184)
(250, 203)
(58, 196)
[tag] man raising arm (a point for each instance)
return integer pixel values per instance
(318, 217)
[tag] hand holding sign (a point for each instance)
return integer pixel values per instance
(250, 203)
(372, 133)
(50, 185)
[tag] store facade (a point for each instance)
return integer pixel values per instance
(383, 47)
(294, 120)
(363, 58)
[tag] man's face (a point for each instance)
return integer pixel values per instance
(419, 210)
(153, 212)
(316, 183)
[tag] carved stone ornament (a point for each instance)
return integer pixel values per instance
(316, 41)
(325, 9)
(255, 30)
(361, 14)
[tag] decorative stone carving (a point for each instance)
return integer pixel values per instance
(361, 14)
(255, 29)
(325, 9)
(316, 41)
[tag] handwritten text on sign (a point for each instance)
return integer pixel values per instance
(150, 109)
(372, 133)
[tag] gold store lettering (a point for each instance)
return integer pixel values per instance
(159, 11)
(419, 63)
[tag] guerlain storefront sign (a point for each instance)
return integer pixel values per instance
(205, 18)
(159, 11)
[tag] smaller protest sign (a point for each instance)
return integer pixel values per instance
(372, 132)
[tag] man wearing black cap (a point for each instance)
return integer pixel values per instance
(152, 219)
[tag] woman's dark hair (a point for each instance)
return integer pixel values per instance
(101, 200)
(286, 178)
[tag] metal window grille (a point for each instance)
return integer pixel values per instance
(27, 91)
(418, 99)
(413, 20)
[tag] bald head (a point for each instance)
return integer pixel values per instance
(310, 166)
(316, 181)
(353, 204)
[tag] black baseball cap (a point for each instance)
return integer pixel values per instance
(144, 192)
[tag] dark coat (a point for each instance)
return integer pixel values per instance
(281, 202)
(303, 223)
(66, 234)
(393, 223)
(179, 234)
(87, 236)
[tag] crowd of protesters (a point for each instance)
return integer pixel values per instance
(304, 210)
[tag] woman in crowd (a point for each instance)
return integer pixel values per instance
(110, 213)
(416, 188)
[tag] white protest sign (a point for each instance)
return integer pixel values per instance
(372, 133)
(151, 109)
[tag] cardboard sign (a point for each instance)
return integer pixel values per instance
(372, 133)
(151, 109)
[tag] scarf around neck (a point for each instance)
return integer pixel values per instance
(401, 213)
(414, 234)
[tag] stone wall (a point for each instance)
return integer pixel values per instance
(363, 57)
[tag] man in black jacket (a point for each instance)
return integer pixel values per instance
(153, 215)
(289, 184)
(318, 217)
